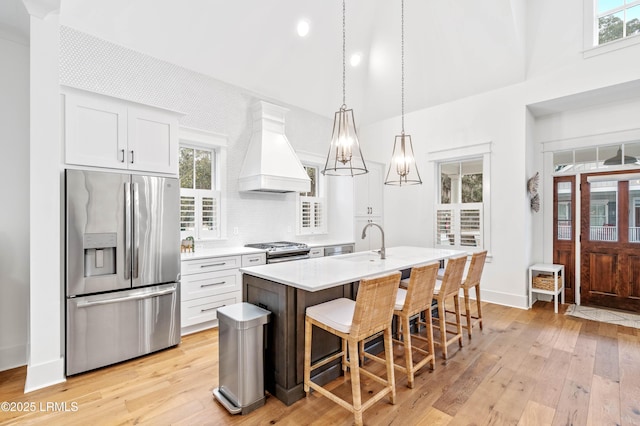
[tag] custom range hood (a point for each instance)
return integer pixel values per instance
(271, 164)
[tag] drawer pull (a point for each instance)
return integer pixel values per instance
(254, 260)
(211, 309)
(213, 264)
(212, 284)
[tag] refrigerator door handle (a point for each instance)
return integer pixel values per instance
(126, 298)
(127, 231)
(136, 230)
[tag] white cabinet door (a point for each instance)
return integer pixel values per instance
(373, 241)
(376, 182)
(367, 190)
(152, 140)
(95, 131)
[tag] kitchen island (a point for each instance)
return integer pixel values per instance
(286, 289)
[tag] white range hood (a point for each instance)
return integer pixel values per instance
(271, 164)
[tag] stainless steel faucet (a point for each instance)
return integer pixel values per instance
(364, 235)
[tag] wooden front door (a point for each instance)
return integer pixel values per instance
(610, 242)
(564, 191)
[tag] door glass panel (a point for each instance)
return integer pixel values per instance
(564, 210)
(603, 218)
(634, 211)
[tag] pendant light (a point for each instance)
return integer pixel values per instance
(345, 157)
(402, 169)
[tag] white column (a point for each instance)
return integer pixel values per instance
(46, 316)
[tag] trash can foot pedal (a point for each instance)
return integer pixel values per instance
(230, 406)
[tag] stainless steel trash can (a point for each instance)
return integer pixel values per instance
(241, 357)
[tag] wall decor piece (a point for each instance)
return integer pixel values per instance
(532, 189)
(532, 184)
(535, 203)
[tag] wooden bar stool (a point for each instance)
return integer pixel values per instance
(472, 280)
(449, 288)
(371, 313)
(415, 300)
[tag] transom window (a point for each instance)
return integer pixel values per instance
(199, 197)
(616, 19)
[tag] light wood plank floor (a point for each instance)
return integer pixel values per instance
(526, 368)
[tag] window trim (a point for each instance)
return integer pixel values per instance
(313, 160)
(480, 150)
(590, 34)
(197, 138)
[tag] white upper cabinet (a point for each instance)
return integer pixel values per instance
(368, 191)
(106, 132)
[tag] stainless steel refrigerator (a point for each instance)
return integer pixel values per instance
(122, 267)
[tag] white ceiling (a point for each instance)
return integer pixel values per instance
(453, 49)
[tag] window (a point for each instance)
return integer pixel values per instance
(597, 157)
(311, 205)
(199, 197)
(616, 19)
(459, 213)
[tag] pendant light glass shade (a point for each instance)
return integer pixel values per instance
(402, 168)
(345, 157)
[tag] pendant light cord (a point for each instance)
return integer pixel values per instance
(402, 57)
(344, 50)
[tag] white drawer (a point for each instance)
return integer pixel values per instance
(210, 264)
(254, 259)
(205, 309)
(316, 252)
(209, 284)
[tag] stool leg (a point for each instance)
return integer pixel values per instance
(307, 354)
(388, 350)
(344, 355)
(443, 327)
(430, 345)
(479, 305)
(456, 304)
(408, 358)
(355, 381)
(467, 309)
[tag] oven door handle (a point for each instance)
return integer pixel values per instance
(287, 258)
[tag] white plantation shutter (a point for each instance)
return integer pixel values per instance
(459, 226)
(311, 215)
(199, 213)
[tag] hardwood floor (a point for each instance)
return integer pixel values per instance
(526, 368)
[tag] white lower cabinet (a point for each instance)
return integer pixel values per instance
(209, 284)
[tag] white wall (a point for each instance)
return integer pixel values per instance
(497, 117)
(14, 189)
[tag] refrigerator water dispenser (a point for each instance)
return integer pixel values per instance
(99, 254)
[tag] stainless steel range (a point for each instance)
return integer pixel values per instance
(283, 251)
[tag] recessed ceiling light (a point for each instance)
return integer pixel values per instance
(355, 59)
(303, 28)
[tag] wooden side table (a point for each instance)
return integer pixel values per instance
(558, 282)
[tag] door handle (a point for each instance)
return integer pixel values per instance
(131, 156)
(127, 231)
(122, 152)
(136, 231)
(126, 298)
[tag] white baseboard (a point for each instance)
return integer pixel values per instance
(505, 299)
(198, 327)
(43, 375)
(12, 357)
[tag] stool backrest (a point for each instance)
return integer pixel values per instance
(475, 269)
(453, 275)
(420, 290)
(375, 301)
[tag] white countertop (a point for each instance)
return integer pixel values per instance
(325, 272)
(203, 253)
